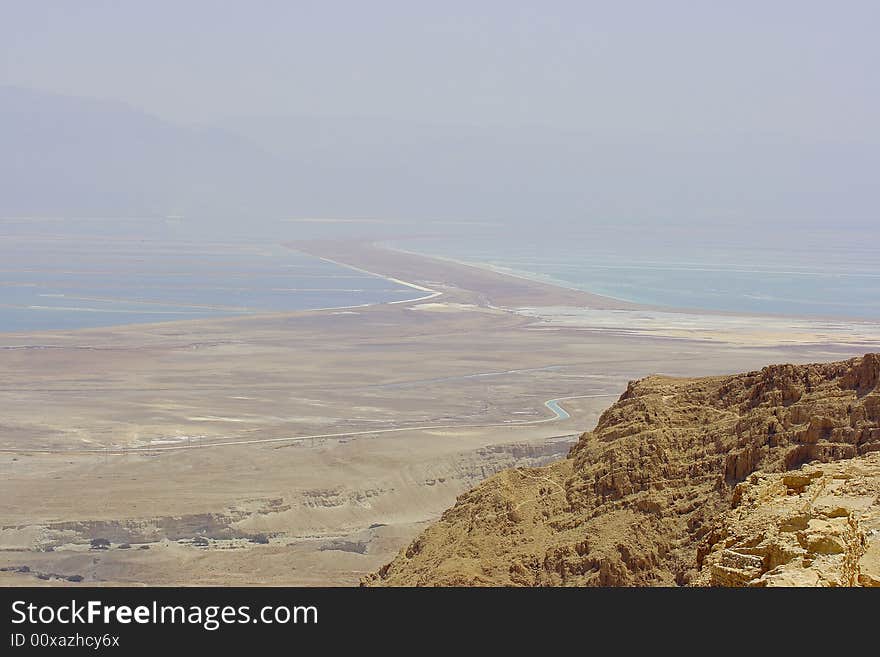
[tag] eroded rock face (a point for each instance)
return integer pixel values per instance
(816, 526)
(663, 491)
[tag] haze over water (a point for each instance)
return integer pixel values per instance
(810, 273)
(138, 272)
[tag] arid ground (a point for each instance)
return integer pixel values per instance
(308, 448)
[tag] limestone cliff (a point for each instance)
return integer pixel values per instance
(760, 478)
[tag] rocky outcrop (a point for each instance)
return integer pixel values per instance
(816, 526)
(710, 481)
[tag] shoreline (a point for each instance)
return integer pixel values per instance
(524, 275)
(372, 256)
(431, 293)
(530, 292)
(639, 305)
(246, 315)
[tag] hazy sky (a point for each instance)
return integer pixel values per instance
(756, 111)
(795, 68)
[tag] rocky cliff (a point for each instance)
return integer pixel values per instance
(764, 478)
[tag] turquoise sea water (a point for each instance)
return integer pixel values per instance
(122, 273)
(69, 282)
(830, 274)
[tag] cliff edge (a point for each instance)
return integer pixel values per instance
(757, 479)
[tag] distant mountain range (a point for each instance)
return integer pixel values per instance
(74, 156)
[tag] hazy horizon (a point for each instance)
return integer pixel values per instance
(565, 64)
(574, 114)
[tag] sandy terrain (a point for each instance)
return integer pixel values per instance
(307, 448)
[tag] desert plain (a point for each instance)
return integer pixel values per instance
(307, 448)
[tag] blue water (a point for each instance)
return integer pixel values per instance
(810, 274)
(47, 282)
(561, 413)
